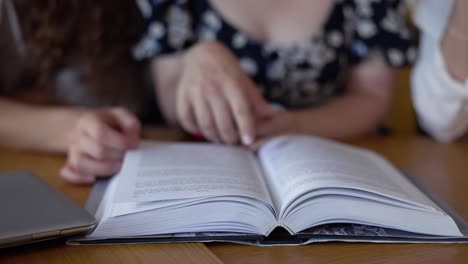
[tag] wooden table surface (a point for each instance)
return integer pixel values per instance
(441, 167)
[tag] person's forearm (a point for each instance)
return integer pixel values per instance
(346, 117)
(32, 127)
(455, 41)
(360, 110)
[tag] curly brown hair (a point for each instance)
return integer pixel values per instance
(102, 31)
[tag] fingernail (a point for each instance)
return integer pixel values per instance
(198, 136)
(247, 139)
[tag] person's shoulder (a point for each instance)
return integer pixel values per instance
(169, 27)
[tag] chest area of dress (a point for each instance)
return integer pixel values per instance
(310, 53)
(274, 21)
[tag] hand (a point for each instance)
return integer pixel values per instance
(284, 122)
(216, 98)
(98, 143)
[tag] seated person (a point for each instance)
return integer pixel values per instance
(439, 79)
(69, 84)
(224, 68)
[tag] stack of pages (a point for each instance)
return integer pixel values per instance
(294, 190)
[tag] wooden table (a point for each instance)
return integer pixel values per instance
(443, 168)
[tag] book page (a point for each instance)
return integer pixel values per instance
(298, 164)
(165, 171)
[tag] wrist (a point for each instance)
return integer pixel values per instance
(62, 121)
(295, 122)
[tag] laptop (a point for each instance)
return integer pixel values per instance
(33, 211)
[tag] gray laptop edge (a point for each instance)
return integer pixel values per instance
(33, 211)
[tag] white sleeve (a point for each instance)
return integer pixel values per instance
(441, 103)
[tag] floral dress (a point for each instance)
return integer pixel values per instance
(301, 74)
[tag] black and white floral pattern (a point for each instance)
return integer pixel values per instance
(299, 75)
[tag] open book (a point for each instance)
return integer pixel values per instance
(295, 189)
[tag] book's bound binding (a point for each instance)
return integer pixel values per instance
(329, 233)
